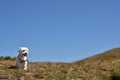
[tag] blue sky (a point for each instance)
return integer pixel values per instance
(59, 30)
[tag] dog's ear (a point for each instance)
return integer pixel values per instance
(28, 50)
(19, 49)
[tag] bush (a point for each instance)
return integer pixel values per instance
(1, 57)
(7, 58)
(115, 76)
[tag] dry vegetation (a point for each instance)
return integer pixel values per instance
(98, 67)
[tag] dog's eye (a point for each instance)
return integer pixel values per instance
(23, 51)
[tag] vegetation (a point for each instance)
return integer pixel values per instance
(115, 75)
(104, 66)
(7, 58)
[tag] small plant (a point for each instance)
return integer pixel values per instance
(8, 58)
(115, 76)
(38, 75)
(1, 57)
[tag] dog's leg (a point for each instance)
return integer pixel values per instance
(25, 65)
(17, 63)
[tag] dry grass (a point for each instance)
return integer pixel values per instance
(103, 64)
(98, 67)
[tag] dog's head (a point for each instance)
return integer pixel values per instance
(23, 51)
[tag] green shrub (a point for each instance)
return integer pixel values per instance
(2, 57)
(7, 58)
(115, 76)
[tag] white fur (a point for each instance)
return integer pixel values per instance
(21, 59)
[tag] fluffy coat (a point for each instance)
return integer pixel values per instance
(21, 59)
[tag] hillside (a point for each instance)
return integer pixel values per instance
(102, 65)
(98, 67)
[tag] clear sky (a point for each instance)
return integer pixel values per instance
(59, 30)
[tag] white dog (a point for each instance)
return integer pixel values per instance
(21, 59)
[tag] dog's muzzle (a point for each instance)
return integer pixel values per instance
(25, 54)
